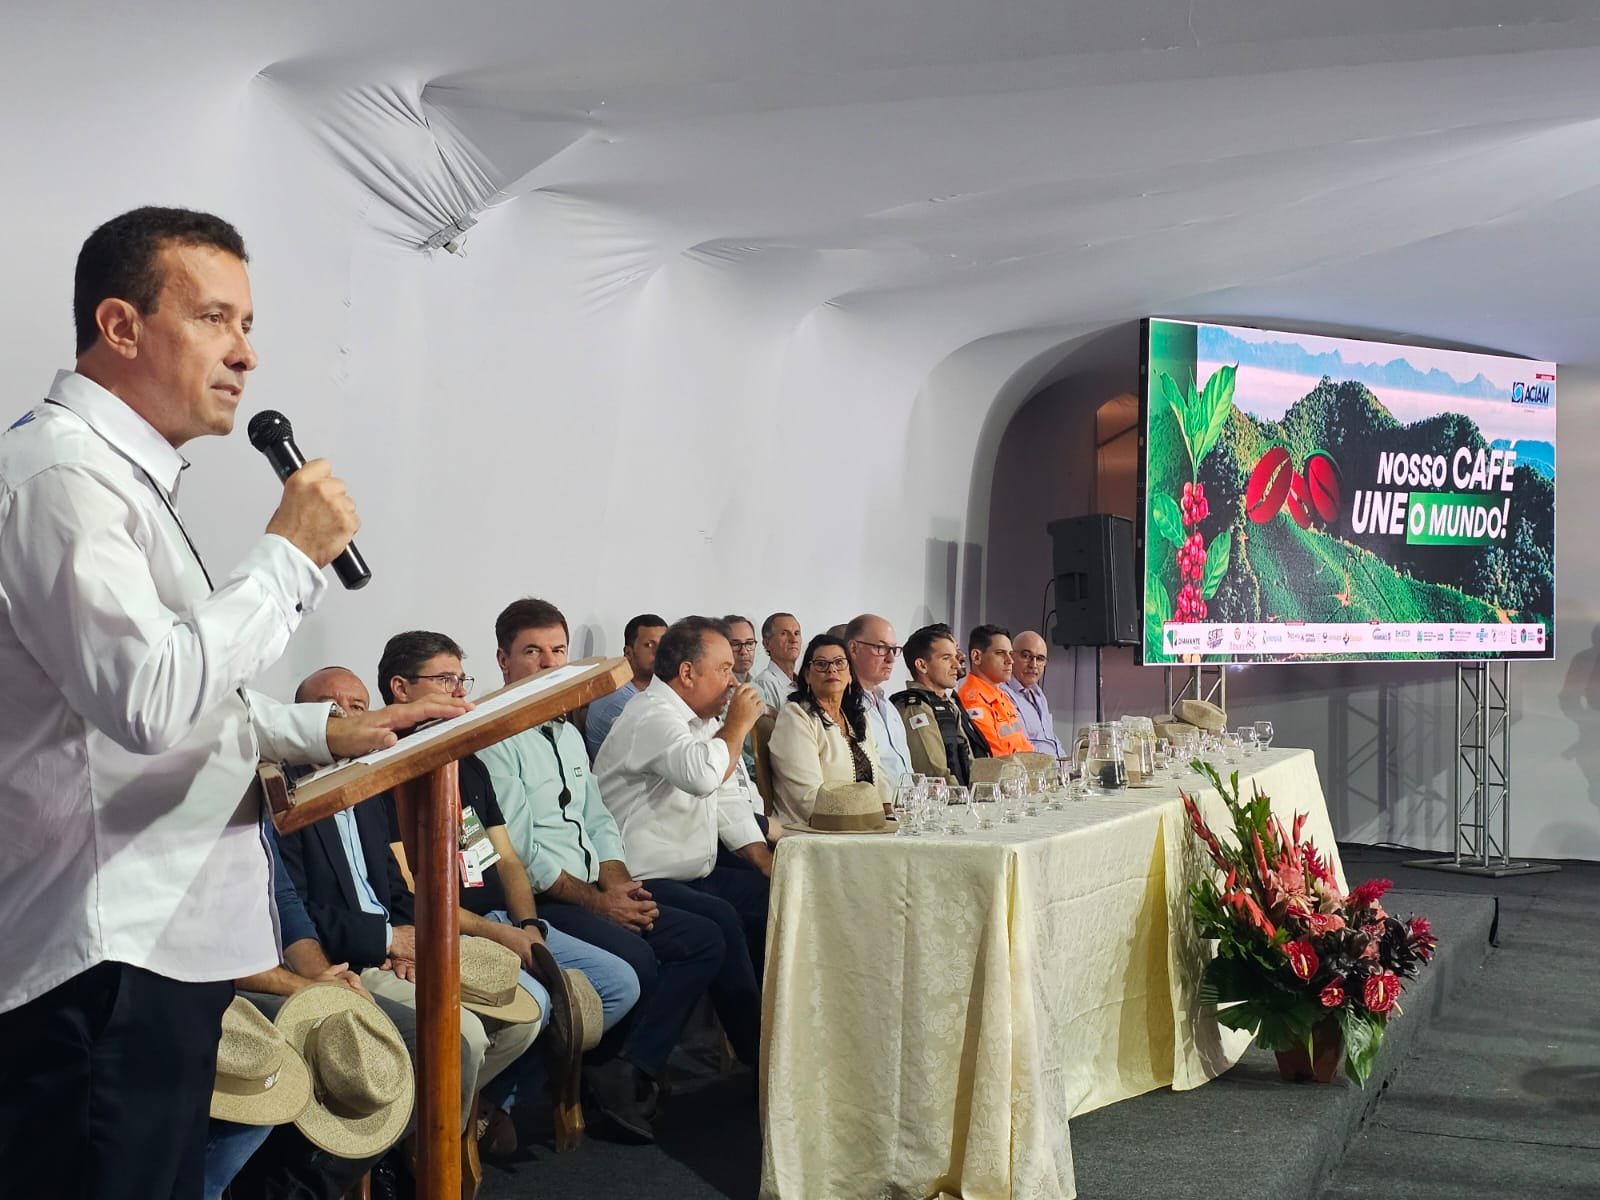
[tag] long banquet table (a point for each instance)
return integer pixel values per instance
(937, 1007)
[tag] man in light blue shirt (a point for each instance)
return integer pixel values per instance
(873, 654)
(573, 853)
(1026, 686)
(639, 640)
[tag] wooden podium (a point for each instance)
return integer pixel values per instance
(421, 770)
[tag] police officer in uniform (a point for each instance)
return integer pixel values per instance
(942, 738)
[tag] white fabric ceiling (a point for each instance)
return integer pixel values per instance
(970, 169)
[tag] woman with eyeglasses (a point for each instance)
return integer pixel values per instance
(821, 734)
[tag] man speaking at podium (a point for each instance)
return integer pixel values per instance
(134, 879)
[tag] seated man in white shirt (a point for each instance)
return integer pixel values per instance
(639, 640)
(873, 655)
(669, 774)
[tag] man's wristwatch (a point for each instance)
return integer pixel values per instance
(537, 923)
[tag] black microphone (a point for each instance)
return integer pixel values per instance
(271, 433)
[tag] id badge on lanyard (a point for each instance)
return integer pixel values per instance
(477, 852)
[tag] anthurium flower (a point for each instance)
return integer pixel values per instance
(1303, 960)
(1332, 994)
(1322, 923)
(1380, 992)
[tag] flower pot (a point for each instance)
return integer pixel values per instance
(1320, 1066)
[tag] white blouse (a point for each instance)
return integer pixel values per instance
(805, 752)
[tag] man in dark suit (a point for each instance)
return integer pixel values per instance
(352, 887)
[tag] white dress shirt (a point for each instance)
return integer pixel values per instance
(888, 729)
(661, 773)
(773, 685)
(128, 831)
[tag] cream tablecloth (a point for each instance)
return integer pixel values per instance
(938, 1007)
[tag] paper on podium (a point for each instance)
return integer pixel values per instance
(495, 717)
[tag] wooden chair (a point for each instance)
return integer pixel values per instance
(471, 1166)
(759, 737)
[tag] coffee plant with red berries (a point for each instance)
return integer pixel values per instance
(1202, 415)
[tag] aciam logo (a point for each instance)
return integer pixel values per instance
(1530, 393)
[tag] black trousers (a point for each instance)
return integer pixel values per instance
(675, 962)
(105, 1087)
(735, 898)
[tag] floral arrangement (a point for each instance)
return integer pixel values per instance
(1295, 953)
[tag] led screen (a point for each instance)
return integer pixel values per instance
(1309, 497)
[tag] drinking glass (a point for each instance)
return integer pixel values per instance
(1069, 779)
(957, 810)
(1166, 757)
(1264, 734)
(1232, 748)
(985, 806)
(910, 801)
(1247, 739)
(1011, 793)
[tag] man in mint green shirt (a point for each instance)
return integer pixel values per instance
(573, 853)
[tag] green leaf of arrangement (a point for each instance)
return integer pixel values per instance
(1363, 1037)
(1167, 518)
(1217, 556)
(1180, 411)
(1216, 404)
(1287, 1027)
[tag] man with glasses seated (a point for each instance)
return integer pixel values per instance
(742, 637)
(873, 656)
(351, 886)
(1030, 654)
(499, 904)
(987, 702)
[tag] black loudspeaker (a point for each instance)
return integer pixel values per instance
(1097, 602)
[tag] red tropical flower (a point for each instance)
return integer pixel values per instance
(1420, 935)
(1380, 992)
(1303, 960)
(1369, 892)
(1332, 994)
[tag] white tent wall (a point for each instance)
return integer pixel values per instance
(1383, 734)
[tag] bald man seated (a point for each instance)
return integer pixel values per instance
(1030, 654)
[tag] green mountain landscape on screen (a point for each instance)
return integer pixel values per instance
(1278, 570)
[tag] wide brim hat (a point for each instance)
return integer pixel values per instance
(363, 1084)
(489, 983)
(587, 1001)
(1202, 714)
(261, 1079)
(847, 808)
